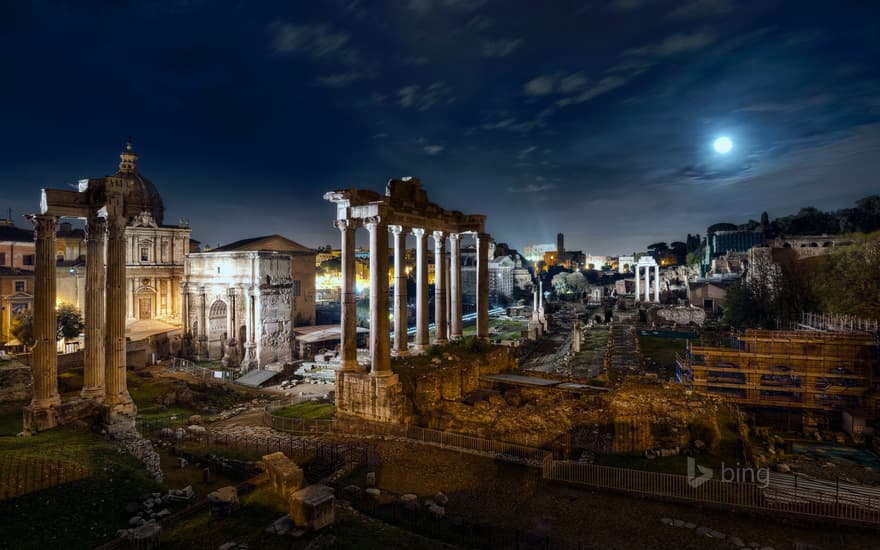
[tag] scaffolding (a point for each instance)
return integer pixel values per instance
(815, 371)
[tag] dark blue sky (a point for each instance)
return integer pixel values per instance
(594, 118)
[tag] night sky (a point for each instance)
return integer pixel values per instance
(594, 118)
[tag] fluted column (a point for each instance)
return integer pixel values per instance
(400, 328)
(45, 355)
(483, 286)
(421, 235)
(380, 335)
(440, 274)
(638, 276)
(656, 283)
(93, 371)
(116, 395)
(348, 297)
(455, 286)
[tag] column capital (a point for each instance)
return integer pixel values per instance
(418, 231)
(44, 226)
(398, 229)
(117, 224)
(438, 236)
(454, 236)
(346, 224)
(373, 222)
(96, 228)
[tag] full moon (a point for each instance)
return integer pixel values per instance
(723, 145)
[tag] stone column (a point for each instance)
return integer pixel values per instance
(348, 298)
(455, 285)
(483, 286)
(184, 311)
(638, 276)
(647, 283)
(656, 283)
(202, 338)
(400, 327)
(440, 273)
(116, 396)
(45, 352)
(93, 372)
(249, 357)
(380, 336)
(421, 235)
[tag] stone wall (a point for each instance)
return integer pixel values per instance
(15, 381)
(678, 315)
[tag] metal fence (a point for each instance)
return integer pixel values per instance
(783, 494)
(179, 364)
(23, 475)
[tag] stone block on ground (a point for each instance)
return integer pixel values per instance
(352, 492)
(286, 476)
(313, 507)
(223, 501)
(371, 479)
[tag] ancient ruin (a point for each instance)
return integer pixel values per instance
(108, 205)
(646, 263)
(403, 210)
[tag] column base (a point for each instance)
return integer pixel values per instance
(119, 417)
(95, 394)
(455, 337)
(40, 418)
(368, 396)
(400, 353)
(420, 348)
(349, 365)
(440, 341)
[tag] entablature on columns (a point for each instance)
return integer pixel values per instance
(404, 204)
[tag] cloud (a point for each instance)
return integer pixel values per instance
(433, 149)
(675, 44)
(423, 98)
(339, 80)
(317, 41)
(542, 85)
(555, 83)
(501, 48)
(526, 152)
(532, 188)
(702, 8)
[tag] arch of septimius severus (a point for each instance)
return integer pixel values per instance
(403, 209)
(108, 205)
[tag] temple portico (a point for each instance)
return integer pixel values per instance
(646, 263)
(403, 210)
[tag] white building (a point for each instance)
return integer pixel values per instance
(240, 306)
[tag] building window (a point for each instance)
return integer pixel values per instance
(27, 259)
(297, 287)
(20, 286)
(145, 254)
(2, 258)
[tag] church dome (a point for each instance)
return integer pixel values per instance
(140, 191)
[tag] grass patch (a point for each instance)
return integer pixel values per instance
(11, 418)
(78, 514)
(309, 411)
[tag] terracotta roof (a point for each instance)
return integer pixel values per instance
(269, 243)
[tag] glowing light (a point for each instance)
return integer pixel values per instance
(723, 145)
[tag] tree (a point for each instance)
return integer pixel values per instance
(847, 282)
(680, 250)
(68, 324)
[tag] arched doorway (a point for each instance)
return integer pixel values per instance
(216, 329)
